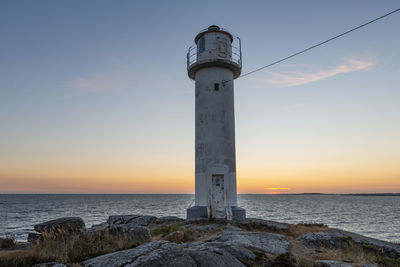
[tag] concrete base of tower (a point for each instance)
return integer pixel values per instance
(198, 212)
(238, 214)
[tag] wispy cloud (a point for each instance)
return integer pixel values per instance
(101, 82)
(287, 79)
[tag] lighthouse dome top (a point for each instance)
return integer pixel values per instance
(215, 47)
(213, 28)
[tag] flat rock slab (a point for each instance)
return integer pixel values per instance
(168, 254)
(267, 242)
(156, 253)
(62, 226)
(135, 220)
(323, 239)
(334, 238)
(123, 257)
(239, 252)
(209, 256)
(164, 253)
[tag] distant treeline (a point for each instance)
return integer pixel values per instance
(359, 194)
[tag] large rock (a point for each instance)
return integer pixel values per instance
(98, 227)
(62, 226)
(134, 220)
(268, 242)
(323, 239)
(156, 253)
(127, 234)
(120, 258)
(164, 253)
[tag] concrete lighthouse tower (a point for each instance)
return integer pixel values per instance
(213, 62)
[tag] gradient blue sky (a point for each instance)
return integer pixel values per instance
(94, 96)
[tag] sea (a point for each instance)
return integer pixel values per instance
(373, 216)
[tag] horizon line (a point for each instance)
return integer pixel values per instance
(314, 193)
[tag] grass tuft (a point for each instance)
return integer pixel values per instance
(295, 230)
(165, 230)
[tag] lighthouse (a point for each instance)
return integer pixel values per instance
(213, 62)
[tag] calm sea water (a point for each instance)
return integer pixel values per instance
(374, 216)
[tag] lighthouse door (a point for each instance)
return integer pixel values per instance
(218, 196)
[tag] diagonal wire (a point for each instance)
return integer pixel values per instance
(319, 44)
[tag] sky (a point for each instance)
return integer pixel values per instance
(95, 97)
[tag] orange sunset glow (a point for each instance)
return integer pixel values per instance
(166, 179)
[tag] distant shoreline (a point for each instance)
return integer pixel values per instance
(355, 194)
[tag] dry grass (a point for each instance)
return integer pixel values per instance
(349, 252)
(69, 250)
(160, 232)
(295, 230)
(24, 258)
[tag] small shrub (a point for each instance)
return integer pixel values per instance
(345, 248)
(371, 257)
(306, 263)
(368, 248)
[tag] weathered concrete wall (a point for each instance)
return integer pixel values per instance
(215, 133)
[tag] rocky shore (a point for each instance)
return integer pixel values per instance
(141, 240)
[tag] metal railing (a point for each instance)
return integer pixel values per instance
(234, 56)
